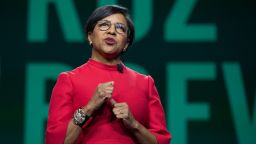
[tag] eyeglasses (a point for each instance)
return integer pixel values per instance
(120, 28)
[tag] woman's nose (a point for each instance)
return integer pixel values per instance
(112, 30)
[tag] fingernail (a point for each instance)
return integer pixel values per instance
(113, 102)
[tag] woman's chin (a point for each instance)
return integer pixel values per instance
(111, 55)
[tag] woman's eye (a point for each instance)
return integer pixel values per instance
(103, 24)
(121, 27)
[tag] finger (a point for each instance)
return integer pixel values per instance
(102, 93)
(108, 91)
(123, 104)
(108, 95)
(103, 86)
(112, 101)
(122, 116)
(110, 83)
(116, 111)
(105, 90)
(109, 88)
(120, 111)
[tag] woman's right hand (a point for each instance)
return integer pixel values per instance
(103, 91)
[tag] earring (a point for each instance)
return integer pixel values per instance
(90, 43)
(124, 49)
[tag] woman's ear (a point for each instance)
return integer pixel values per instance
(126, 46)
(89, 37)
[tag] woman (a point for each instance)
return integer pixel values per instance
(103, 101)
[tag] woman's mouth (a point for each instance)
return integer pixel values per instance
(110, 41)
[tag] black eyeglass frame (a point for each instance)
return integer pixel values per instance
(120, 28)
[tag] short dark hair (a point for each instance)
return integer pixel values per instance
(106, 11)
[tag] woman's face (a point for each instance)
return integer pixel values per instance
(109, 37)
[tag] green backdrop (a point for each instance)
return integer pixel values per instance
(201, 54)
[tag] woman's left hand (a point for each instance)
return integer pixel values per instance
(122, 111)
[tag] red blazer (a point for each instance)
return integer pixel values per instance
(74, 89)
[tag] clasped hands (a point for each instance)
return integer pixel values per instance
(121, 110)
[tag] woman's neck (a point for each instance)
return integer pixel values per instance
(110, 61)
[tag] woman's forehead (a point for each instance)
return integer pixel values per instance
(115, 18)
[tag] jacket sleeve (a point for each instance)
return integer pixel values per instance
(60, 110)
(157, 124)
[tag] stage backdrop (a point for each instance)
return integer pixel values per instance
(201, 54)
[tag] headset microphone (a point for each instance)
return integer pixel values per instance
(120, 68)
